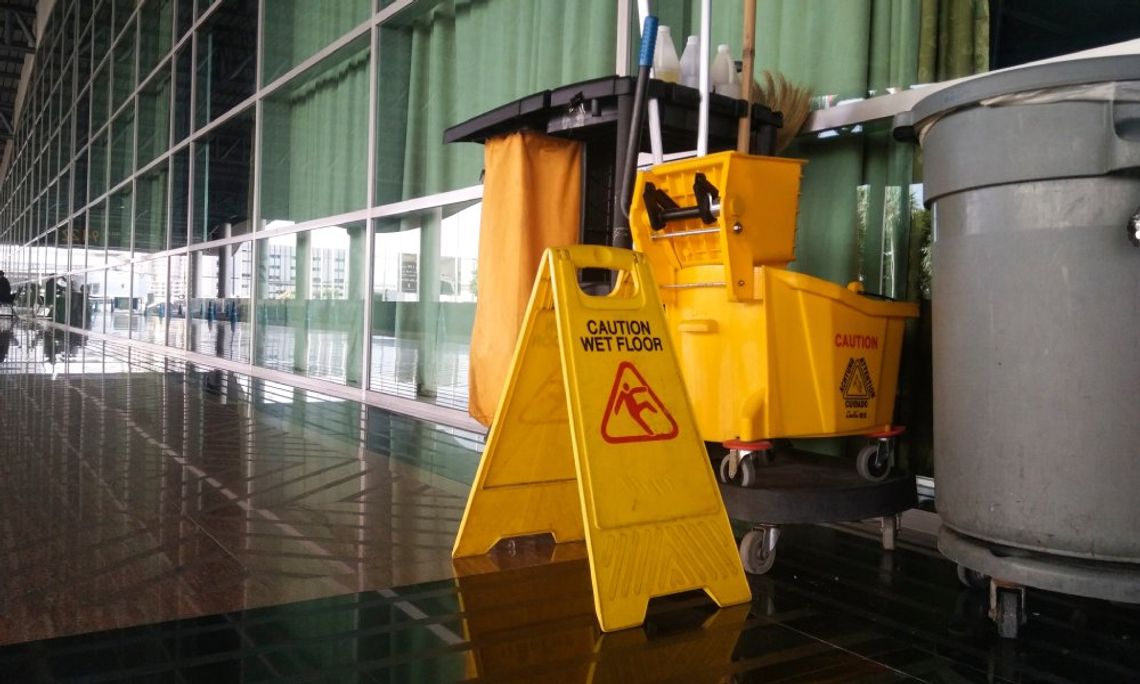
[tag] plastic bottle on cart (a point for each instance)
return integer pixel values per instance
(691, 62)
(723, 73)
(666, 66)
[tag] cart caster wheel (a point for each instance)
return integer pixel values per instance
(870, 465)
(738, 469)
(972, 579)
(758, 549)
(1007, 608)
(890, 526)
(1009, 613)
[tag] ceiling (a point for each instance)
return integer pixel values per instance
(1027, 30)
(17, 39)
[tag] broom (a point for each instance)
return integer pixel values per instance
(781, 95)
(778, 93)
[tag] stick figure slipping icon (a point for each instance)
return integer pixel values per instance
(628, 398)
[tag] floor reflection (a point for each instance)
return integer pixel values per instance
(527, 615)
(135, 488)
(162, 521)
(402, 367)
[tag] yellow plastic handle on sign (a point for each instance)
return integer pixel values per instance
(630, 265)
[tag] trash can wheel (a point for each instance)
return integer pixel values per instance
(758, 549)
(1007, 608)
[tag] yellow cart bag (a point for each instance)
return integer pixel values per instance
(526, 209)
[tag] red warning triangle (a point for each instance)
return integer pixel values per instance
(634, 413)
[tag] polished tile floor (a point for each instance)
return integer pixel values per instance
(170, 523)
(141, 490)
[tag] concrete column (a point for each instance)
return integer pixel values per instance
(299, 310)
(427, 358)
(356, 273)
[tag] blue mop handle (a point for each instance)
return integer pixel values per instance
(648, 41)
(640, 95)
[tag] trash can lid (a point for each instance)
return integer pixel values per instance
(1015, 80)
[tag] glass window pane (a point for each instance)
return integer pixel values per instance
(100, 100)
(119, 301)
(84, 317)
(83, 15)
(124, 68)
(185, 17)
(154, 117)
(119, 225)
(82, 119)
(98, 168)
(66, 30)
(97, 300)
(123, 11)
(52, 157)
(62, 197)
(297, 29)
(176, 325)
(226, 53)
(222, 180)
(179, 198)
(154, 37)
(310, 303)
(313, 164)
(97, 236)
(150, 312)
(425, 280)
(182, 76)
(50, 255)
(122, 146)
(78, 258)
(51, 201)
(79, 187)
(150, 211)
(218, 315)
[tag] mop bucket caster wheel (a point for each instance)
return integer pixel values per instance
(758, 549)
(874, 462)
(738, 468)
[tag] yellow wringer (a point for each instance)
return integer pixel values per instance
(765, 352)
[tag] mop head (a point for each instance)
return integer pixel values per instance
(777, 93)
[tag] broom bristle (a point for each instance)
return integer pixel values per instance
(781, 95)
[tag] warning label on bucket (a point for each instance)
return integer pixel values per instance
(634, 413)
(856, 388)
(619, 336)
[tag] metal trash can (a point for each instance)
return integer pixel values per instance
(1034, 177)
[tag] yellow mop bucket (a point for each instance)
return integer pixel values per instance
(765, 353)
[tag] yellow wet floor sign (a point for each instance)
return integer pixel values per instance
(594, 439)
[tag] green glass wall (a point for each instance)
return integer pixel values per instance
(264, 181)
(252, 180)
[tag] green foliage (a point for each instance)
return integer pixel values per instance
(921, 228)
